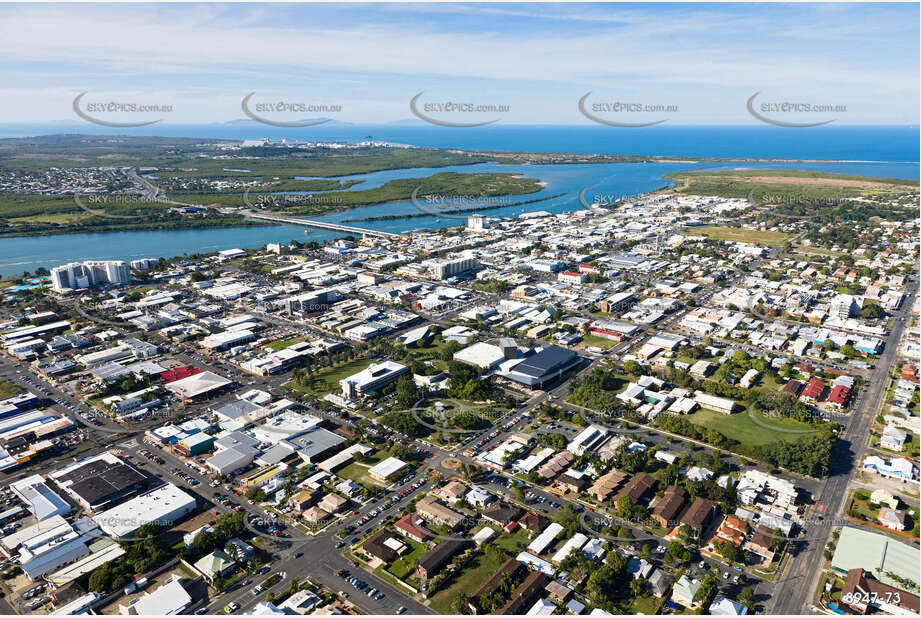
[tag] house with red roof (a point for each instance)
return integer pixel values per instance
(412, 530)
(839, 396)
(813, 390)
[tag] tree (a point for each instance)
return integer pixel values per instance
(100, 579)
(459, 603)
(747, 598)
(633, 368)
(407, 392)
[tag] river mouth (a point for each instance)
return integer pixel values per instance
(568, 181)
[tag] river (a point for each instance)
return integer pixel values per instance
(593, 181)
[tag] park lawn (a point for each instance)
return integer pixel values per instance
(478, 570)
(647, 605)
(8, 389)
(405, 564)
(358, 471)
(737, 234)
(431, 349)
(512, 543)
(281, 344)
(327, 380)
(740, 427)
(594, 341)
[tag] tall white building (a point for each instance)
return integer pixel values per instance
(448, 267)
(476, 223)
(77, 275)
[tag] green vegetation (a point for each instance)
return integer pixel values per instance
(480, 568)
(326, 380)
(780, 187)
(8, 389)
(742, 429)
(738, 234)
(404, 565)
(281, 344)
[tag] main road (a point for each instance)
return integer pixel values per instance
(794, 593)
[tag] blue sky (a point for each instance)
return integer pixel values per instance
(706, 60)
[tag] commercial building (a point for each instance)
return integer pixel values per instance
(198, 386)
(388, 469)
(888, 560)
(96, 482)
(548, 365)
(47, 545)
(374, 378)
(448, 267)
(39, 499)
(164, 505)
(169, 599)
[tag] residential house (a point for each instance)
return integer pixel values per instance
(666, 509)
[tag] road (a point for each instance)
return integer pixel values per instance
(795, 591)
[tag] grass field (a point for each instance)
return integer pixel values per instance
(738, 234)
(8, 389)
(358, 472)
(594, 341)
(405, 564)
(647, 605)
(477, 571)
(281, 344)
(740, 427)
(327, 380)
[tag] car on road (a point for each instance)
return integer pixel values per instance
(400, 610)
(232, 607)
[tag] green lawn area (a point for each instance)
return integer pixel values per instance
(738, 234)
(327, 380)
(740, 427)
(281, 344)
(403, 566)
(594, 341)
(513, 543)
(8, 389)
(477, 571)
(358, 472)
(647, 605)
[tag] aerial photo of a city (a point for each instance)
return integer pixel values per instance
(455, 308)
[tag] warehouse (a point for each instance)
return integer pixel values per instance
(164, 505)
(40, 500)
(96, 482)
(198, 386)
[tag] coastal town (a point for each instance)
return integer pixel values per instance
(674, 403)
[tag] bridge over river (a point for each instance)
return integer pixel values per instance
(320, 224)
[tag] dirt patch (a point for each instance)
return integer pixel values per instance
(451, 463)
